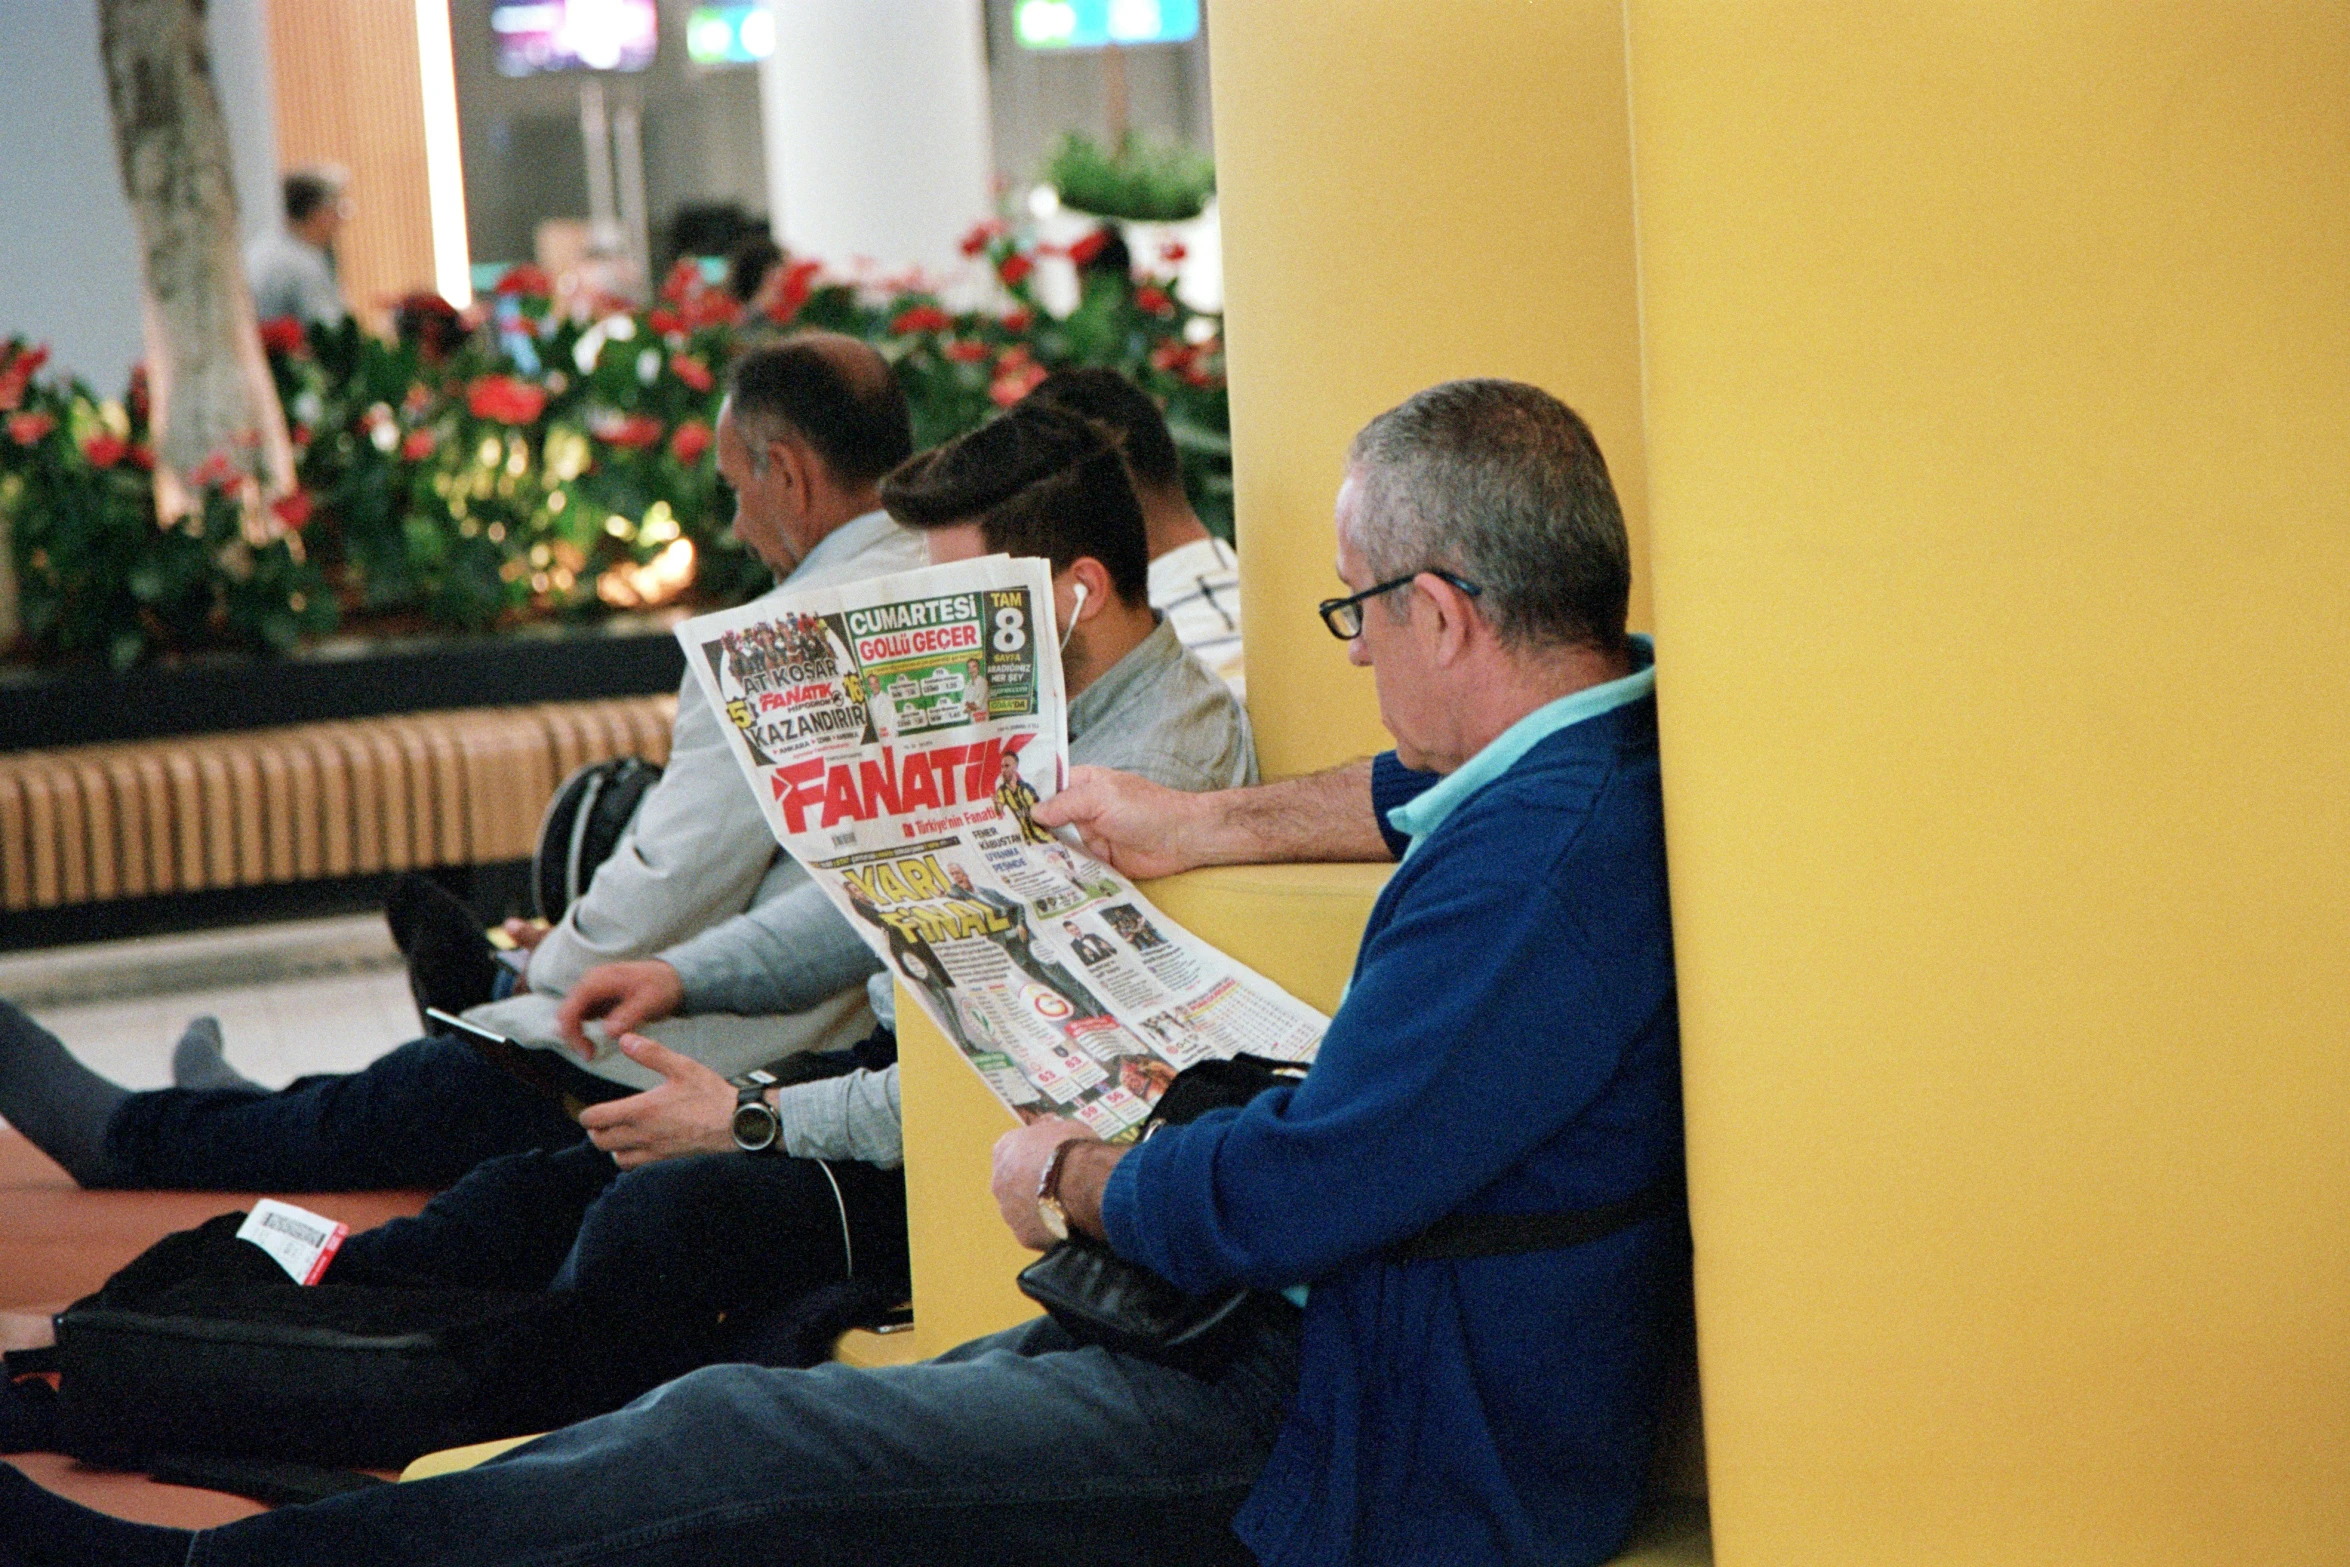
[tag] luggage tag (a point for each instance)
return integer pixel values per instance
(299, 1241)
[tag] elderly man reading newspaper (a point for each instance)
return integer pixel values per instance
(1508, 1047)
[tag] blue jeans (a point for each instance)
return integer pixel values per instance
(1021, 1447)
(422, 1115)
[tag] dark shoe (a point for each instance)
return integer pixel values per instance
(451, 964)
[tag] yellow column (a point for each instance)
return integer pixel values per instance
(1410, 193)
(1999, 444)
(1407, 197)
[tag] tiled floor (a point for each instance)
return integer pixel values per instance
(315, 996)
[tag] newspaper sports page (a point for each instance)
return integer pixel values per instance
(897, 732)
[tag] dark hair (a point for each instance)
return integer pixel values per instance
(831, 391)
(1039, 480)
(307, 190)
(1502, 483)
(1108, 398)
(748, 263)
(429, 324)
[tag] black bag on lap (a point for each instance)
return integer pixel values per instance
(203, 1345)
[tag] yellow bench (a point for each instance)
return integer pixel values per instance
(1296, 924)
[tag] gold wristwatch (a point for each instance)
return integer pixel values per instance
(1049, 1211)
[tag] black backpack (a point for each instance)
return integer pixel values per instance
(203, 1345)
(582, 826)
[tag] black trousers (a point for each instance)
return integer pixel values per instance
(675, 1265)
(421, 1115)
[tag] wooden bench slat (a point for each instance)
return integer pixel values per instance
(16, 866)
(93, 823)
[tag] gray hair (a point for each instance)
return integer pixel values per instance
(1502, 484)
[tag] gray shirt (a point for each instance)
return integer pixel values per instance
(1157, 712)
(698, 849)
(291, 278)
(698, 852)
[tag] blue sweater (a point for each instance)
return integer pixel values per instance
(1509, 1044)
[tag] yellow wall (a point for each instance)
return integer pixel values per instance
(1410, 193)
(1999, 464)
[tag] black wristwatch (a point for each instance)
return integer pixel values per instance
(757, 1128)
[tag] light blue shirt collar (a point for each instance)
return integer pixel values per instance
(1422, 816)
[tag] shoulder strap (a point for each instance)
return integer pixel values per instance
(1463, 1235)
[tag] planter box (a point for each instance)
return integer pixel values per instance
(350, 678)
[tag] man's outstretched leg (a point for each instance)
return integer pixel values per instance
(1017, 1448)
(58, 1103)
(421, 1115)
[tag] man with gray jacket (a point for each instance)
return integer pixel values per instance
(1037, 481)
(810, 426)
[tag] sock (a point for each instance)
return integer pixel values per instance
(46, 1530)
(450, 962)
(57, 1102)
(197, 1062)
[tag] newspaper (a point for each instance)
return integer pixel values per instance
(898, 732)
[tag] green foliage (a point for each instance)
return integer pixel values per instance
(523, 463)
(1142, 181)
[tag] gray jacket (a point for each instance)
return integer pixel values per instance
(697, 852)
(1157, 712)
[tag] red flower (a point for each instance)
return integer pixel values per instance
(683, 279)
(1172, 252)
(28, 429)
(665, 320)
(712, 307)
(16, 373)
(689, 442)
(283, 335)
(1019, 320)
(1171, 356)
(1014, 269)
(526, 279)
(982, 234)
(293, 510)
(631, 432)
(966, 352)
(799, 281)
(505, 399)
(692, 372)
(1154, 299)
(300, 435)
(105, 449)
(214, 472)
(1089, 247)
(922, 318)
(418, 446)
(1016, 376)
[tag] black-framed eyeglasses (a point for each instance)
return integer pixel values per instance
(1344, 616)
